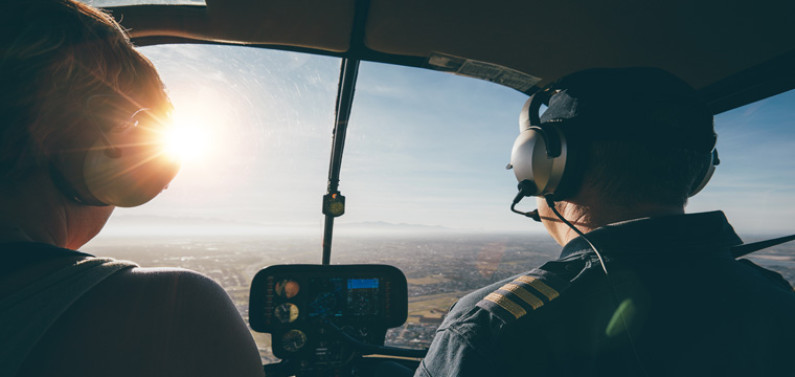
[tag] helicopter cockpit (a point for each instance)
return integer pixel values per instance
(421, 101)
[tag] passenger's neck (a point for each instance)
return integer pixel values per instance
(29, 213)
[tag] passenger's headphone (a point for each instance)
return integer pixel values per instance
(547, 161)
(124, 167)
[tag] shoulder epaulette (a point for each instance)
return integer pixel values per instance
(524, 294)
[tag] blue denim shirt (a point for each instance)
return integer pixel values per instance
(675, 304)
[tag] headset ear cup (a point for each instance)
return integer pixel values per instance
(66, 171)
(531, 162)
(706, 174)
(134, 176)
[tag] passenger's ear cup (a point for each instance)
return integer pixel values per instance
(124, 167)
(132, 171)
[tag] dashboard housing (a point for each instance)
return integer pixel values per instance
(305, 307)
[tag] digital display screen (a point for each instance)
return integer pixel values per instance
(363, 297)
(328, 297)
(362, 283)
(338, 297)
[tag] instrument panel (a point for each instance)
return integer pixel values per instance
(305, 307)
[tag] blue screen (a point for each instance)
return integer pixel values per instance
(362, 283)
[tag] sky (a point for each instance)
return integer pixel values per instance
(425, 148)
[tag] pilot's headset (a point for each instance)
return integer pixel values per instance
(547, 161)
(124, 166)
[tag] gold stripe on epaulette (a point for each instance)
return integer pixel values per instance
(539, 286)
(524, 294)
(506, 303)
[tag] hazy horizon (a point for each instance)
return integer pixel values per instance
(147, 225)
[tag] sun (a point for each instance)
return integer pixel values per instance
(187, 138)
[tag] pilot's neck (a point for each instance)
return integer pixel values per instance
(591, 217)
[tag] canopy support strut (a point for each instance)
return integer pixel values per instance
(333, 202)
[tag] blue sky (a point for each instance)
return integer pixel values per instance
(755, 182)
(423, 147)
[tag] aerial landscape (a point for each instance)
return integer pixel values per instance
(439, 268)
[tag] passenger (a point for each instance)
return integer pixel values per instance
(78, 102)
(665, 297)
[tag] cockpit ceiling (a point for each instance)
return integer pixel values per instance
(704, 42)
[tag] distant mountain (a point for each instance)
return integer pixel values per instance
(174, 220)
(156, 225)
(386, 227)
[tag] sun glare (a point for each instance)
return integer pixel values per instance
(188, 138)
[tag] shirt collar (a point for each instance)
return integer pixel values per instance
(705, 232)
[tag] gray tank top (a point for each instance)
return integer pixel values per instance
(27, 314)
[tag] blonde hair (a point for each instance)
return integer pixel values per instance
(66, 69)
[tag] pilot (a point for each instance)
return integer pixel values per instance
(81, 111)
(640, 287)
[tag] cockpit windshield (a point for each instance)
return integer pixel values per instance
(424, 176)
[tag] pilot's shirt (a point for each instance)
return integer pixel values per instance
(675, 303)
